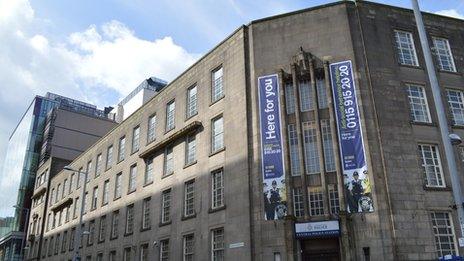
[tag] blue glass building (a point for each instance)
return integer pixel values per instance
(21, 162)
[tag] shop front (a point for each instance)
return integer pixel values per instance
(318, 240)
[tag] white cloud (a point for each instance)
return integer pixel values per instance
(88, 65)
(116, 58)
(451, 13)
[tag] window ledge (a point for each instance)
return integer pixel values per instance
(218, 151)
(167, 131)
(101, 241)
(428, 188)
(128, 234)
(145, 229)
(151, 141)
(194, 215)
(132, 191)
(167, 175)
(411, 66)
(213, 210)
(191, 116)
(190, 164)
(216, 101)
(431, 124)
(113, 238)
(161, 224)
(450, 72)
(148, 184)
(116, 198)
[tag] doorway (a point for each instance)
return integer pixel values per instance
(320, 249)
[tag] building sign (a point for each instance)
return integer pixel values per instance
(352, 154)
(275, 202)
(317, 229)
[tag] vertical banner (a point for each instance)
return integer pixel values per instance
(356, 182)
(275, 201)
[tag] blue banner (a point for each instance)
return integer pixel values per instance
(271, 148)
(352, 153)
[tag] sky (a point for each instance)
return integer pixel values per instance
(98, 51)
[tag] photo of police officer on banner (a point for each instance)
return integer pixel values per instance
(358, 191)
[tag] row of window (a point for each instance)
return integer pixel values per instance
(217, 139)
(311, 153)
(58, 243)
(315, 201)
(307, 96)
(217, 90)
(217, 202)
(407, 55)
(419, 106)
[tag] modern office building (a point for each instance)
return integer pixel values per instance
(138, 97)
(310, 135)
(53, 125)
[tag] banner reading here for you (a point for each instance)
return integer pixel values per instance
(356, 182)
(275, 202)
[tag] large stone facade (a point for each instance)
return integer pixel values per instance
(298, 47)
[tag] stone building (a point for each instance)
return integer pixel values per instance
(182, 177)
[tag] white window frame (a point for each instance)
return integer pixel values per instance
(151, 129)
(217, 189)
(217, 84)
(334, 199)
(290, 98)
(328, 146)
(322, 99)
(410, 48)
(188, 251)
(168, 160)
(129, 228)
(311, 150)
(438, 170)
(94, 198)
(98, 165)
(109, 156)
(115, 224)
(146, 220)
(118, 186)
(135, 139)
(316, 202)
(132, 185)
(166, 206)
(164, 250)
(217, 247)
(444, 52)
(293, 149)
(306, 96)
(418, 103)
(102, 229)
(217, 134)
(122, 148)
(106, 192)
(298, 202)
(439, 236)
(189, 198)
(149, 171)
(190, 150)
(456, 106)
(192, 101)
(170, 115)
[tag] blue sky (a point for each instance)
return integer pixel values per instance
(98, 51)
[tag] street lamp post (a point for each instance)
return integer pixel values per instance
(78, 238)
(21, 251)
(447, 138)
